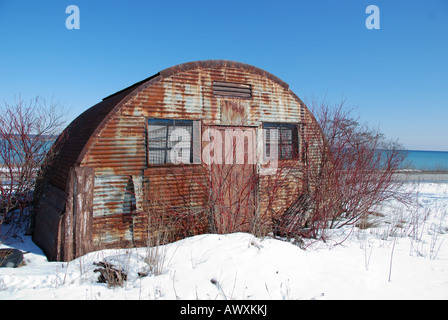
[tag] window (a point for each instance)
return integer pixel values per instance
(286, 137)
(170, 138)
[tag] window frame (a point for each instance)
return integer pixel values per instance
(295, 139)
(167, 123)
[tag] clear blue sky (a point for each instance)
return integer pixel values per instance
(397, 76)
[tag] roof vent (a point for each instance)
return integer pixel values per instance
(232, 90)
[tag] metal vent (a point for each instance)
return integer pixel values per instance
(232, 90)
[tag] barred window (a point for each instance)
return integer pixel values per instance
(164, 135)
(286, 137)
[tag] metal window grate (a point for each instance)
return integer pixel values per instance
(161, 141)
(287, 140)
(232, 90)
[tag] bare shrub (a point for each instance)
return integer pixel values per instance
(155, 252)
(349, 170)
(27, 132)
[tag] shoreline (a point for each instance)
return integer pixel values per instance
(422, 175)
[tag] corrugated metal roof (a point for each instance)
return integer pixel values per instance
(75, 137)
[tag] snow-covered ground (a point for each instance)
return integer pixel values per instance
(401, 255)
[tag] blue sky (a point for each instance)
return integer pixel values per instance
(396, 76)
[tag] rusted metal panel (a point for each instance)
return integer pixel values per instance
(113, 194)
(118, 202)
(112, 231)
(119, 150)
(176, 200)
(278, 192)
(169, 197)
(176, 186)
(235, 112)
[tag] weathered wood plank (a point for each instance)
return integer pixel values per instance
(76, 226)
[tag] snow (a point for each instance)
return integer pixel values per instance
(402, 255)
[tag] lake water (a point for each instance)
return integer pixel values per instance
(427, 160)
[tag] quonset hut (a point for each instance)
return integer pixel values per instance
(118, 180)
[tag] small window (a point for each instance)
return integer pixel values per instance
(286, 137)
(164, 135)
